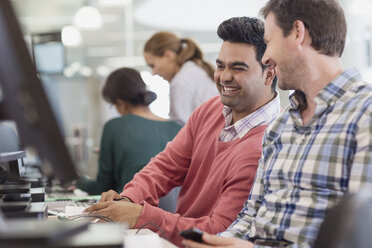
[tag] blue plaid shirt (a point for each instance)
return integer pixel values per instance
(306, 169)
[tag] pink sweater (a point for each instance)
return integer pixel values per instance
(216, 177)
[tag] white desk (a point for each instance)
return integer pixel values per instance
(165, 243)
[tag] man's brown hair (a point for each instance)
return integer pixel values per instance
(324, 19)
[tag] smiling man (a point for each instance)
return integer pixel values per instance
(215, 156)
(320, 147)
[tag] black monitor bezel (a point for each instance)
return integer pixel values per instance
(25, 102)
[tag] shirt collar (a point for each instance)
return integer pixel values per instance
(261, 116)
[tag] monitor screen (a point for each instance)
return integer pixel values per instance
(23, 100)
(49, 57)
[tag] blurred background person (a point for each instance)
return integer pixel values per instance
(130, 141)
(181, 63)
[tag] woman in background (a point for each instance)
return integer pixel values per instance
(130, 141)
(181, 63)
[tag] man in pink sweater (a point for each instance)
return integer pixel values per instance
(215, 155)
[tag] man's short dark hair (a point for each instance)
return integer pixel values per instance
(246, 30)
(324, 19)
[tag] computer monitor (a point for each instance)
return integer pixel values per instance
(24, 100)
(48, 52)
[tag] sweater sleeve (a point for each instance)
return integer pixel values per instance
(235, 192)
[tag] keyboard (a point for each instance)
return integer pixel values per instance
(65, 208)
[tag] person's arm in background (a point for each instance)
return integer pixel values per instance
(105, 174)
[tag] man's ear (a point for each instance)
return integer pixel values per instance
(270, 74)
(299, 30)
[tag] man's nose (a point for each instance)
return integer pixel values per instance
(226, 76)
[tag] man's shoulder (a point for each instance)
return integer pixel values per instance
(360, 90)
(358, 97)
(212, 104)
(208, 115)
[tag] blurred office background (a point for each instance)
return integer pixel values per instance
(77, 43)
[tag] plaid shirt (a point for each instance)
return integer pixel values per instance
(304, 170)
(264, 115)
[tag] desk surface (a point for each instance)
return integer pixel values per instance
(165, 243)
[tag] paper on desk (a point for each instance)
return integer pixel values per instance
(142, 241)
(73, 210)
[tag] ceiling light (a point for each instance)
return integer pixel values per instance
(71, 36)
(86, 71)
(88, 17)
(103, 70)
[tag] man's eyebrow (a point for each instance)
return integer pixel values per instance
(239, 63)
(236, 63)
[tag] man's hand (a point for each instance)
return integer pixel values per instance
(109, 196)
(215, 241)
(120, 211)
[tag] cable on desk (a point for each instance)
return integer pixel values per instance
(101, 217)
(154, 225)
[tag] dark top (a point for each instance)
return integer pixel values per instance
(127, 145)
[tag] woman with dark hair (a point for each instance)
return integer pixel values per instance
(181, 63)
(130, 141)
